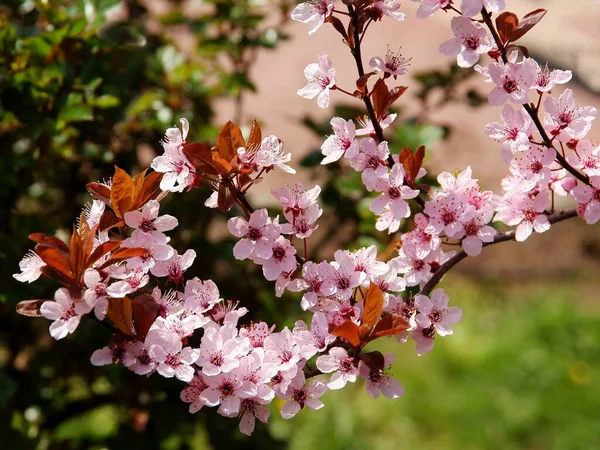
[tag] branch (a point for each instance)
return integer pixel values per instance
(533, 113)
(502, 237)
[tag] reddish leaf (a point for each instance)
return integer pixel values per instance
(149, 190)
(338, 25)
(349, 331)
(99, 191)
(419, 157)
(200, 156)
(222, 165)
(361, 83)
(255, 137)
(51, 242)
(408, 162)
(87, 235)
(374, 361)
(55, 260)
(394, 95)
(77, 256)
(229, 140)
(528, 22)
(107, 221)
(100, 251)
(138, 181)
(225, 198)
(123, 254)
(145, 311)
(119, 312)
(373, 306)
(379, 94)
(121, 192)
(390, 325)
(30, 308)
(507, 24)
(61, 277)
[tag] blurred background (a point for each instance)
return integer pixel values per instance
(88, 84)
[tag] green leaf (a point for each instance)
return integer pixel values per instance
(76, 113)
(106, 101)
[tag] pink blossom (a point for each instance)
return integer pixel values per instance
(92, 212)
(252, 409)
(173, 359)
(448, 214)
(174, 267)
(282, 350)
(379, 381)
(435, 312)
(389, 8)
(422, 239)
(147, 219)
(137, 358)
(321, 78)
(512, 80)
(95, 295)
(178, 172)
(367, 125)
(313, 12)
(391, 64)
(547, 79)
(429, 7)
(588, 198)
(534, 164)
(586, 157)
(525, 212)
(30, 267)
(471, 8)
(316, 280)
(365, 261)
(371, 161)
(158, 251)
(258, 234)
(282, 259)
(315, 340)
(299, 395)
(344, 277)
(342, 364)
(221, 349)
(514, 131)
(393, 194)
(471, 41)
(192, 393)
(226, 390)
(131, 281)
(565, 120)
(65, 312)
(342, 142)
(256, 332)
(200, 296)
(267, 156)
(114, 353)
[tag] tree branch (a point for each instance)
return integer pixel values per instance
(502, 237)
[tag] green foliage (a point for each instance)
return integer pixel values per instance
(522, 370)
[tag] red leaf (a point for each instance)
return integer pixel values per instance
(55, 260)
(390, 325)
(255, 137)
(145, 311)
(507, 24)
(119, 312)
(373, 306)
(225, 198)
(149, 190)
(200, 156)
(394, 94)
(229, 140)
(99, 191)
(107, 221)
(361, 83)
(51, 242)
(380, 94)
(100, 251)
(338, 25)
(121, 192)
(77, 256)
(528, 22)
(30, 308)
(349, 331)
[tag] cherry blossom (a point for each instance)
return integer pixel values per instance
(147, 219)
(178, 172)
(65, 312)
(565, 120)
(258, 234)
(429, 7)
(173, 359)
(191, 393)
(221, 349)
(524, 212)
(546, 79)
(379, 382)
(588, 198)
(342, 364)
(174, 267)
(321, 78)
(512, 80)
(299, 395)
(282, 259)
(371, 161)
(313, 12)
(586, 158)
(471, 8)
(393, 193)
(342, 143)
(30, 267)
(393, 64)
(514, 131)
(471, 41)
(389, 8)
